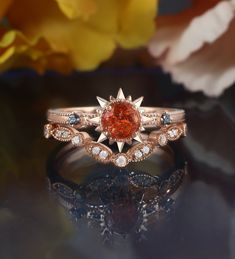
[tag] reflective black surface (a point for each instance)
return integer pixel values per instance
(119, 202)
(33, 225)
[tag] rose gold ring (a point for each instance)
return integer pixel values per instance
(119, 120)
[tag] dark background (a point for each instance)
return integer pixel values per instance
(34, 226)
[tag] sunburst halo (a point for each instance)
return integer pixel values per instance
(134, 112)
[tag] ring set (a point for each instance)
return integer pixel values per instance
(119, 120)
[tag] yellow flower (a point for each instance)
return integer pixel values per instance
(66, 34)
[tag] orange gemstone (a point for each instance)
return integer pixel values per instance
(121, 121)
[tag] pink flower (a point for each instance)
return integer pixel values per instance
(198, 46)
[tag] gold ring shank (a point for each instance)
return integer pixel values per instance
(61, 115)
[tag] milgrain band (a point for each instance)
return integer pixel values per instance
(85, 115)
(104, 154)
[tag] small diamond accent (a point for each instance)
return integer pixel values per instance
(173, 133)
(121, 161)
(62, 133)
(73, 119)
(166, 118)
(162, 140)
(77, 140)
(146, 150)
(138, 154)
(95, 150)
(103, 154)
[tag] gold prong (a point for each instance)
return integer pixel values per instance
(129, 98)
(111, 98)
(120, 146)
(102, 101)
(138, 102)
(138, 138)
(102, 138)
(120, 95)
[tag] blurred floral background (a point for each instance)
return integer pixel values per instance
(191, 39)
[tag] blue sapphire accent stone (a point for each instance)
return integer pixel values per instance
(73, 119)
(166, 118)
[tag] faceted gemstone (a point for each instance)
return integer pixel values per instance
(138, 154)
(62, 133)
(77, 140)
(121, 161)
(103, 154)
(73, 119)
(146, 150)
(166, 118)
(95, 150)
(121, 121)
(173, 133)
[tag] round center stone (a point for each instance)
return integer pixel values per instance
(121, 121)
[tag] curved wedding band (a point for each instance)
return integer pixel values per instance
(119, 120)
